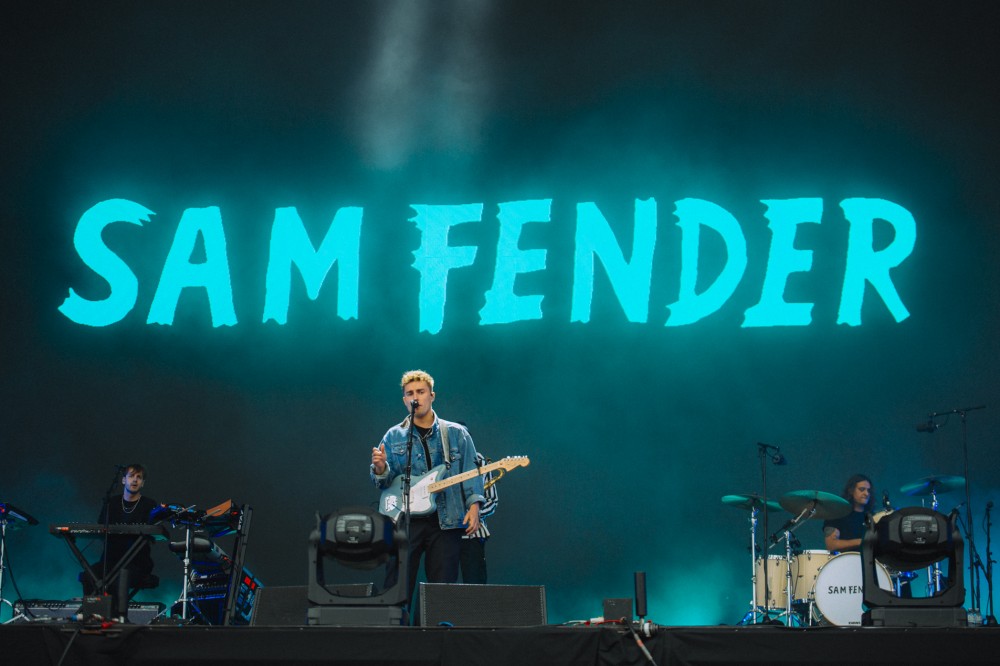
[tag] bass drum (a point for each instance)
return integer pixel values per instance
(838, 592)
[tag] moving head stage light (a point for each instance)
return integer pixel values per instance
(909, 539)
(357, 538)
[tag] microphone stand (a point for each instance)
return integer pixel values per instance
(762, 450)
(406, 497)
(970, 536)
(991, 619)
(107, 528)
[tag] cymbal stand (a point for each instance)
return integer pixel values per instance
(934, 571)
(788, 579)
(755, 609)
(184, 600)
(787, 530)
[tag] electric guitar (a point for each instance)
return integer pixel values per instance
(423, 486)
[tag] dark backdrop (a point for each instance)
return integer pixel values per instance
(635, 430)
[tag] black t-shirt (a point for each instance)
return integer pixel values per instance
(137, 512)
(424, 434)
(851, 526)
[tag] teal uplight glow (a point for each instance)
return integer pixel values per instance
(631, 280)
(96, 255)
(692, 214)
(434, 258)
(865, 264)
(290, 245)
(784, 217)
(180, 273)
(502, 305)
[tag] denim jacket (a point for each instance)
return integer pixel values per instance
(454, 501)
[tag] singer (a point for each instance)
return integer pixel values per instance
(845, 534)
(435, 442)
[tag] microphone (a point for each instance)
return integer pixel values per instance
(930, 426)
(885, 501)
(776, 457)
(414, 404)
(640, 594)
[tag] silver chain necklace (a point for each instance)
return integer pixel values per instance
(128, 511)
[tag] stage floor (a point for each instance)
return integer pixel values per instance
(72, 644)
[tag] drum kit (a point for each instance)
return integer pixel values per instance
(818, 587)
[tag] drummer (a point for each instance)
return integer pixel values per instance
(844, 534)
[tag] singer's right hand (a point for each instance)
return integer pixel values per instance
(378, 458)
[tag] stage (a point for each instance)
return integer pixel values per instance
(46, 643)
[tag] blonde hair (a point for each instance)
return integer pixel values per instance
(416, 376)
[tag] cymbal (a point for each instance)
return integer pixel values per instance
(941, 483)
(827, 505)
(749, 502)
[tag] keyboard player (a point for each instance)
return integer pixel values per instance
(132, 507)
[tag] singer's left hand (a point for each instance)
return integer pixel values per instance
(471, 521)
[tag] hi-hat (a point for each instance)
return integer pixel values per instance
(941, 483)
(826, 505)
(749, 502)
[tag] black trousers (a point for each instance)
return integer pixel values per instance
(441, 550)
(474, 561)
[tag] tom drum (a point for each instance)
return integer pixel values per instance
(807, 566)
(777, 566)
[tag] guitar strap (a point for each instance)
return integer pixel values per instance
(444, 444)
(445, 449)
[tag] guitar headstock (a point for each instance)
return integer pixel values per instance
(512, 462)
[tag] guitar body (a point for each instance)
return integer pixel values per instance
(421, 497)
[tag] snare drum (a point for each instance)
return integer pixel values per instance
(807, 566)
(839, 593)
(777, 566)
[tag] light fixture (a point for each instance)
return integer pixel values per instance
(909, 539)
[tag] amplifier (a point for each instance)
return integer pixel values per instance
(54, 610)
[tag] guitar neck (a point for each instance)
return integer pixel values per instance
(464, 476)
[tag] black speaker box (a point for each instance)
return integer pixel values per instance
(915, 617)
(482, 605)
(281, 606)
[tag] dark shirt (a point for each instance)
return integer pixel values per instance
(851, 526)
(138, 512)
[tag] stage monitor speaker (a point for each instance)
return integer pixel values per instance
(289, 606)
(482, 605)
(281, 606)
(915, 617)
